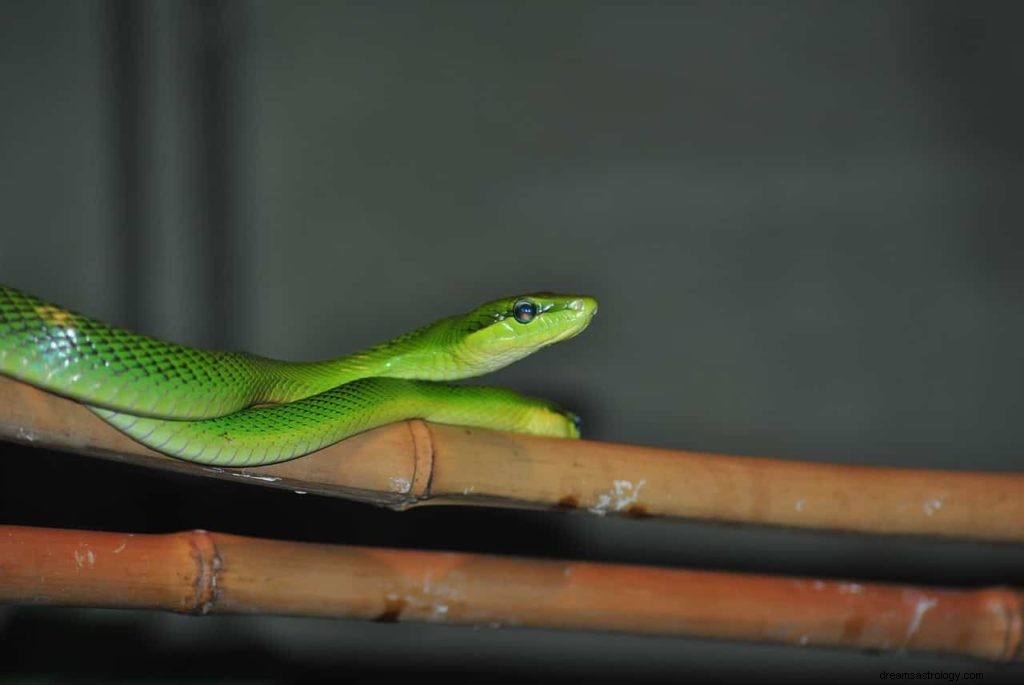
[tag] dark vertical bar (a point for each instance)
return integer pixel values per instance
(213, 155)
(130, 167)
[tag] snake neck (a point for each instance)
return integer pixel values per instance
(426, 353)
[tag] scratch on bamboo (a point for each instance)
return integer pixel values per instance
(204, 573)
(414, 463)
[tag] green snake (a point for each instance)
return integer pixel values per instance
(239, 409)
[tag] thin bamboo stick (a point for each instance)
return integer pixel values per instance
(200, 572)
(414, 463)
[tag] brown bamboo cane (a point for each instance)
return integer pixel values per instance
(414, 463)
(203, 573)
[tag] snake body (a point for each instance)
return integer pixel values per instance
(198, 404)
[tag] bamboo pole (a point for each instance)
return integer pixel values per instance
(205, 573)
(413, 463)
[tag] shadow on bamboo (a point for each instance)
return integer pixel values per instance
(415, 463)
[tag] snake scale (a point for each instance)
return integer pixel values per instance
(240, 409)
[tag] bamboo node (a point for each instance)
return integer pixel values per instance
(208, 565)
(1009, 604)
(423, 462)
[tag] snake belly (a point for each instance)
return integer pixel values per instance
(197, 404)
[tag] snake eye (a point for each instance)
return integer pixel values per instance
(524, 311)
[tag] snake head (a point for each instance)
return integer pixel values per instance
(504, 331)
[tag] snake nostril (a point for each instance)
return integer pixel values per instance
(583, 304)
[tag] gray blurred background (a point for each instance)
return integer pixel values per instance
(801, 219)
